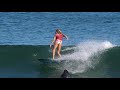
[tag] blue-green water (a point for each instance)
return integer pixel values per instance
(91, 51)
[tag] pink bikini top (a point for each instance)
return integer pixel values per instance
(59, 36)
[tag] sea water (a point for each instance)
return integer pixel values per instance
(93, 43)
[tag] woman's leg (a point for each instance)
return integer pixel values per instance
(59, 49)
(54, 49)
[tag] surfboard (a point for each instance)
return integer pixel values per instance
(48, 60)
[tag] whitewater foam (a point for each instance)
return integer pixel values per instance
(81, 59)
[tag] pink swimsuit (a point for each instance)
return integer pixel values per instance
(59, 38)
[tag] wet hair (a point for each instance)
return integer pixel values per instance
(58, 31)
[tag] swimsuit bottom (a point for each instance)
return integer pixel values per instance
(58, 41)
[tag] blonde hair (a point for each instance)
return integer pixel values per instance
(58, 31)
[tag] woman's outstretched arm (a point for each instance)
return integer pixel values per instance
(65, 36)
(53, 41)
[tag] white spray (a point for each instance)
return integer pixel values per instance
(80, 60)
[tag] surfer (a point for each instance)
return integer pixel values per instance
(57, 40)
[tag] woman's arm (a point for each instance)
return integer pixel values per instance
(53, 41)
(65, 36)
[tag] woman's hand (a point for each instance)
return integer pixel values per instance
(67, 38)
(50, 45)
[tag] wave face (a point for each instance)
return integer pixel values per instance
(87, 59)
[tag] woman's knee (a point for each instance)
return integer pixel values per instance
(58, 52)
(53, 50)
